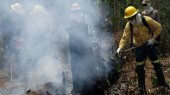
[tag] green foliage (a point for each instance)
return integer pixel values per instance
(164, 11)
(117, 68)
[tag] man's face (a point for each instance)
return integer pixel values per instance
(135, 20)
(75, 12)
(132, 18)
(145, 2)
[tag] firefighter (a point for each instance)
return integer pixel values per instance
(18, 16)
(139, 36)
(83, 64)
(150, 11)
(11, 27)
(77, 28)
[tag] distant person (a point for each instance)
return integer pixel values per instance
(154, 14)
(18, 21)
(83, 64)
(150, 11)
(11, 27)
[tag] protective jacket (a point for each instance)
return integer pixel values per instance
(140, 33)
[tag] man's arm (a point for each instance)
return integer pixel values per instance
(157, 18)
(125, 38)
(155, 26)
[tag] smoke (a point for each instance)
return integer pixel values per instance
(37, 36)
(39, 55)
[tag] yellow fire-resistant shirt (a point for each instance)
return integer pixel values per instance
(140, 33)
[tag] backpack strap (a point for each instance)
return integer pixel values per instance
(146, 24)
(131, 35)
(131, 29)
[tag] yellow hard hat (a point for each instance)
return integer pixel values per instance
(75, 6)
(130, 11)
(17, 7)
(38, 10)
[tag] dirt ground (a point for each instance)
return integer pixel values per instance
(127, 83)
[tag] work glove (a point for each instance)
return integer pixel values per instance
(119, 54)
(151, 41)
(119, 50)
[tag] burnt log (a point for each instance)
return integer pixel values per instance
(45, 89)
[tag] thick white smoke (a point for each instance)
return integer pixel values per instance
(39, 39)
